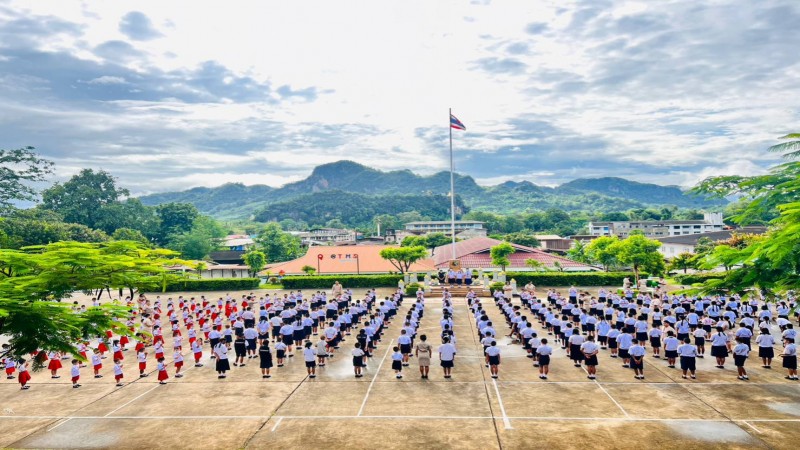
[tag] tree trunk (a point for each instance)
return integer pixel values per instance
(636, 274)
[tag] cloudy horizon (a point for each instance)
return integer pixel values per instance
(170, 96)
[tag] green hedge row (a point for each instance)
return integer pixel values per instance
(215, 284)
(694, 278)
(559, 279)
(348, 281)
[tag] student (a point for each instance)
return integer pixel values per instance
(310, 357)
(358, 359)
(655, 341)
(265, 358)
(280, 352)
(719, 347)
(141, 357)
(543, 352)
(589, 349)
(637, 352)
(240, 348)
(117, 350)
(423, 353)
(222, 363)
(162, 371)
(177, 360)
(75, 372)
(493, 353)
(97, 363)
(24, 375)
(322, 351)
(397, 362)
(700, 335)
(688, 354)
(740, 353)
(575, 341)
(789, 356)
(197, 350)
(625, 341)
(765, 342)
(613, 346)
(671, 344)
(118, 376)
(54, 365)
(405, 346)
(447, 355)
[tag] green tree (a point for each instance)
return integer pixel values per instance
(578, 252)
(535, 264)
(38, 227)
(640, 253)
(683, 261)
(403, 257)
(523, 238)
(499, 254)
(130, 213)
(309, 270)
(34, 280)
(413, 241)
(203, 238)
(704, 246)
(386, 222)
(176, 218)
(82, 198)
(129, 234)
(277, 245)
(601, 251)
(256, 260)
(18, 168)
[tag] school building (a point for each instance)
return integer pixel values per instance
(344, 259)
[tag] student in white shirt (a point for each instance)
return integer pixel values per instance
(740, 353)
(310, 357)
(688, 354)
(493, 354)
(447, 355)
(789, 356)
(222, 363)
(637, 352)
(765, 341)
(589, 350)
(544, 351)
(719, 347)
(358, 360)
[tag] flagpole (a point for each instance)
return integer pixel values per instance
(452, 188)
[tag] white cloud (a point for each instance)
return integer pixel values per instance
(107, 79)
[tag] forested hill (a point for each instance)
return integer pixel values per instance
(598, 194)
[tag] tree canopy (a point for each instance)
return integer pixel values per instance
(403, 257)
(499, 254)
(18, 168)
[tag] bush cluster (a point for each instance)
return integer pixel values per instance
(214, 284)
(694, 278)
(348, 281)
(559, 279)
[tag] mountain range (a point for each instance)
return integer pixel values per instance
(235, 200)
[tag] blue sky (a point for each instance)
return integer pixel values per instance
(172, 95)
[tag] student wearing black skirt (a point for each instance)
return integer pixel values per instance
(265, 358)
(719, 347)
(589, 350)
(222, 364)
(765, 350)
(789, 356)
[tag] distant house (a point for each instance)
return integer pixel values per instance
(675, 245)
(475, 254)
(552, 243)
(227, 257)
(464, 229)
(213, 270)
(347, 259)
(238, 242)
(658, 228)
(235, 245)
(328, 236)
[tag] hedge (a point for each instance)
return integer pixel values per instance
(558, 279)
(411, 289)
(215, 284)
(347, 281)
(694, 278)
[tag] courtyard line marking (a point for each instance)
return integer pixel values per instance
(506, 422)
(754, 428)
(54, 427)
(277, 424)
(377, 371)
(134, 399)
(607, 393)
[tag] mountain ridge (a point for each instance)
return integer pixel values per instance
(602, 194)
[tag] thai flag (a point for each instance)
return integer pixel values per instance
(455, 123)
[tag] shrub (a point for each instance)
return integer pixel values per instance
(558, 279)
(214, 284)
(695, 278)
(411, 289)
(348, 281)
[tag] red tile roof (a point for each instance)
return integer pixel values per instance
(342, 259)
(474, 253)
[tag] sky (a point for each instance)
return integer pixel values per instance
(172, 95)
